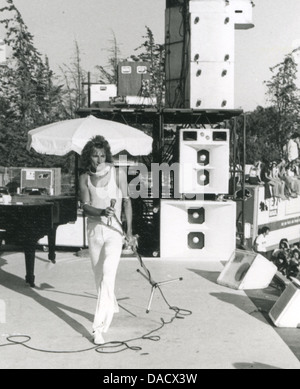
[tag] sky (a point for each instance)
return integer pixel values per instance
(57, 24)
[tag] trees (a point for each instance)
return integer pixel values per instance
(261, 129)
(29, 97)
(27, 81)
(284, 96)
(109, 73)
(268, 128)
(72, 94)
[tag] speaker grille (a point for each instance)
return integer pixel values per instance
(203, 177)
(196, 215)
(196, 240)
(190, 136)
(203, 157)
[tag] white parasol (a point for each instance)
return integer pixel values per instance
(62, 137)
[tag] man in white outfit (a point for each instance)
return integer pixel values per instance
(104, 194)
(261, 242)
(293, 147)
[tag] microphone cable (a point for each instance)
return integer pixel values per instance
(112, 347)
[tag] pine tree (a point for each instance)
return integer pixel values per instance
(72, 91)
(109, 73)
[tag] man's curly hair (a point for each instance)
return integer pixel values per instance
(97, 142)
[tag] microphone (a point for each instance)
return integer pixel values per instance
(112, 205)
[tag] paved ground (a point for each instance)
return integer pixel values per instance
(225, 329)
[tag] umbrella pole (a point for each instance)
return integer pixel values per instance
(76, 176)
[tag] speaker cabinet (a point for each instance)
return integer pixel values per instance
(200, 51)
(286, 311)
(242, 13)
(239, 11)
(203, 230)
(204, 161)
(132, 78)
(212, 36)
(103, 93)
(211, 85)
(247, 270)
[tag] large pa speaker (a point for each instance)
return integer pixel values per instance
(202, 230)
(286, 311)
(200, 51)
(212, 35)
(211, 85)
(204, 161)
(247, 270)
(240, 12)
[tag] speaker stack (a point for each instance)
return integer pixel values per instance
(202, 34)
(200, 75)
(200, 229)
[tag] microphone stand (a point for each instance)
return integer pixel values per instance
(147, 275)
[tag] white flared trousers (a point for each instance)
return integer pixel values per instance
(105, 248)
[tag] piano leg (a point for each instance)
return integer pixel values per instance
(29, 251)
(51, 243)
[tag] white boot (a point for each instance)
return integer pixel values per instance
(98, 338)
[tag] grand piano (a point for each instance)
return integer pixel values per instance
(27, 219)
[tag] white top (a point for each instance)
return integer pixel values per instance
(261, 243)
(101, 198)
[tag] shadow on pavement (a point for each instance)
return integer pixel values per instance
(18, 285)
(254, 366)
(241, 302)
(211, 276)
(262, 299)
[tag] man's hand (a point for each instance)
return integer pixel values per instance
(109, 212)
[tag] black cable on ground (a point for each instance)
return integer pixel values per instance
(109, 347)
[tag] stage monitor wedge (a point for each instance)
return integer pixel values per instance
(286, 311)
(247, 270)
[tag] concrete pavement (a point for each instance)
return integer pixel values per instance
(224, 330)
